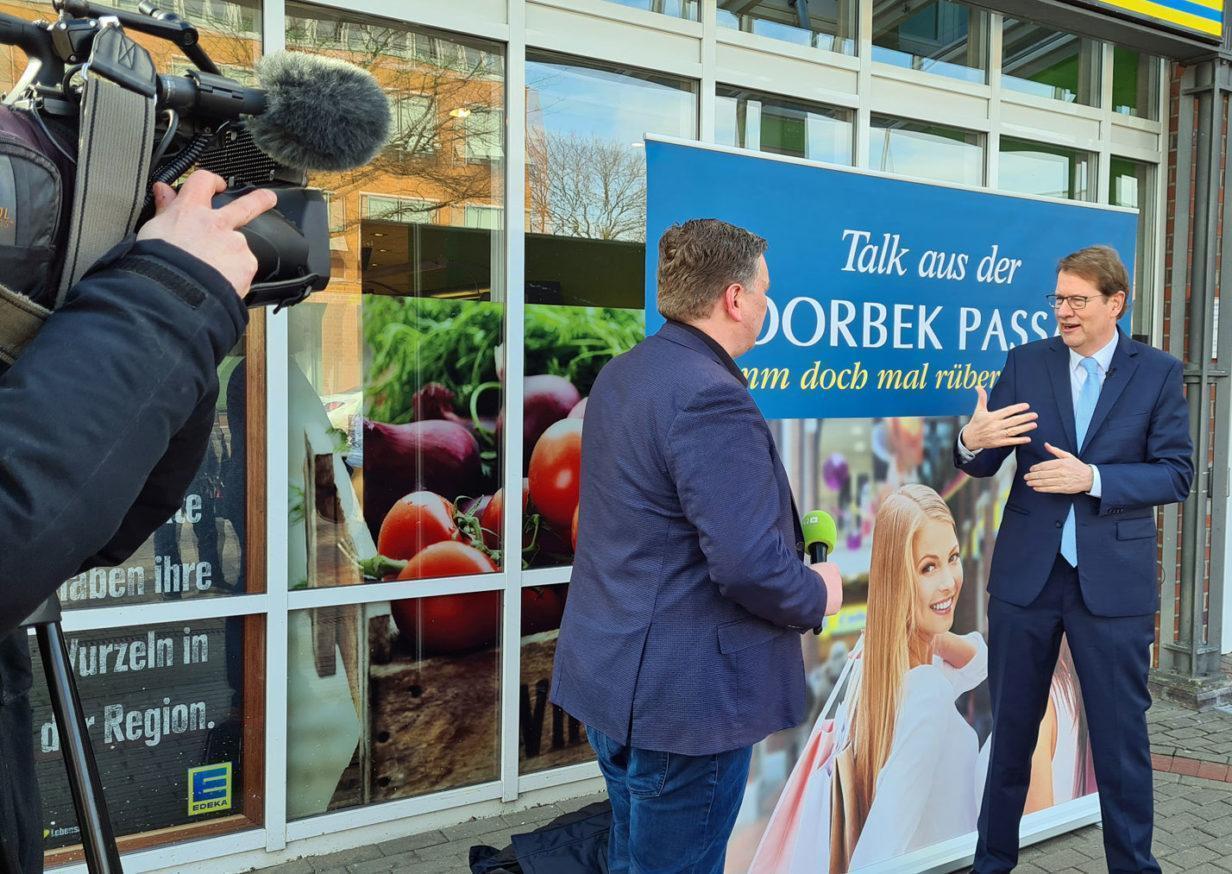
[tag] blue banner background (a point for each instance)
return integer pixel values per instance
(803, 211)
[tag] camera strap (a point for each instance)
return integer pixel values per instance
(20, 320)
(116, 143)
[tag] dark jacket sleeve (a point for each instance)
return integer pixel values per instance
(93, 415)
(719, 457)
(1169, 473)
(988, 461)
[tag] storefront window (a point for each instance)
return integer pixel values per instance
(395, 378)
(1135, 83)
(388, 701)
(927, 151)
(1049, 63)
(781, 126)
(585, 261)
(941, 36)
(166, 707)
(548, 737)
(1049, 171)
(1132, 184)
(822, 24)
(675, 8)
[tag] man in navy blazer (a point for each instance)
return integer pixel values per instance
(680, 644)
(1099, 428)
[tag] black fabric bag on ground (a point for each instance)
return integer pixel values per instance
(575, 843)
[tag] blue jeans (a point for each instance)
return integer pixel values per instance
(670, 813)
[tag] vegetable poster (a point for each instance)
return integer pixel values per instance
(402, 484)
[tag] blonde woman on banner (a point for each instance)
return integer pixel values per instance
(896, 769)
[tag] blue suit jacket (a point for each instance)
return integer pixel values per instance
(1139, 439)
(689, 593)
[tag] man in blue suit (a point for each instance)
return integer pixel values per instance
(680, 644)
(1100, 432)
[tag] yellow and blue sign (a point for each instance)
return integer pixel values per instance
(209, 789)
(1202, 16)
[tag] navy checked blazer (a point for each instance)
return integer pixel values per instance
(689, 592)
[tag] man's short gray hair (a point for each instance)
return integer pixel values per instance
(698, 260)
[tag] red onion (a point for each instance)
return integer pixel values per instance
(548, 399)
(435, 455)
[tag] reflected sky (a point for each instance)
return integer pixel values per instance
(565, 98)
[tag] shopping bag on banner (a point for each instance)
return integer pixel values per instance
(797, 836)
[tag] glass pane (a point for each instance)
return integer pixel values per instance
(927, 151)
(1049, 63)
(938, 37)
(166, 706)
(1135, 83)
(782, 126)
(1131, 184)
(201, 550)
(389, 701)
(585, 260)
(1050, 171)
(675, 8)
(823, 24)
(395, 374)
(548, 736)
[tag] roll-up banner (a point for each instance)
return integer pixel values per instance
(891, 300)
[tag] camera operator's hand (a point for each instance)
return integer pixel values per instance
(188, 221)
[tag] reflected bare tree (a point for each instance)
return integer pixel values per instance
(586, 186)
(447, 102)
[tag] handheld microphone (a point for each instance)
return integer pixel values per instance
(820, 534)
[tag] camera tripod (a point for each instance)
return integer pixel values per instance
(97, 837)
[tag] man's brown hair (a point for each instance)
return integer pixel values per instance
(1099, 265)
(698, 260)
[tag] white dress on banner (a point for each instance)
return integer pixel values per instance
(926, 791)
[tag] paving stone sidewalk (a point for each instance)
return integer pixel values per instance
(1193, 816)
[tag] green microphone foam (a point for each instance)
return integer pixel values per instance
(819, 527)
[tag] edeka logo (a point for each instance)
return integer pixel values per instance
(209, 789)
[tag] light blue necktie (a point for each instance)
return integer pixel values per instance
(1084, 407)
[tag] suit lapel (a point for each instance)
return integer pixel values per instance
(1058, 372)
(1120, 371)
(780, 474)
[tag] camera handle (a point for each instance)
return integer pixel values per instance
(97, 836)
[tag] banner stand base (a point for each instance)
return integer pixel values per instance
(956, 854)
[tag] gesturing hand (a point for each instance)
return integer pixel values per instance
(1067, 475)
(989, 429)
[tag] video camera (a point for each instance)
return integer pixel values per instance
(91, 107)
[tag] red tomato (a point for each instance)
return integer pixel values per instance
(448, 624)
(578, 411)
(556, 471)
(542, 608)
(573, 528)
(418, 520)
(493, 516)
(447, 559)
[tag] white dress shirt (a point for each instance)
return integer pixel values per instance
(1077, 378)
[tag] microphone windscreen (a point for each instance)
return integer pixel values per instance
(321, 113)
(819, 527)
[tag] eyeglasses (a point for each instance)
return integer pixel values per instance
(1075, 301)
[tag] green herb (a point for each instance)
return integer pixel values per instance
(415, 341)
